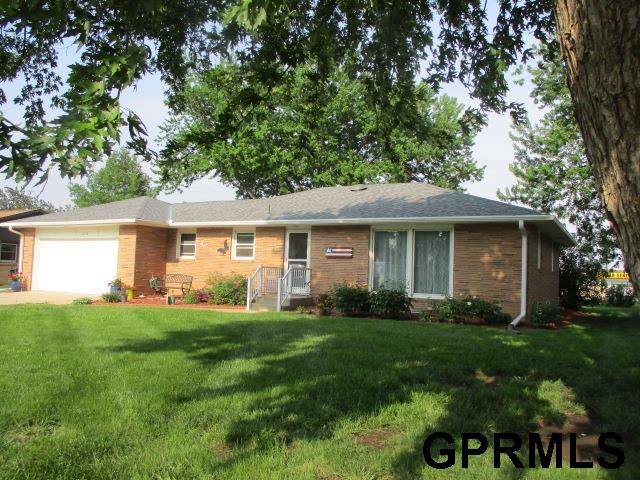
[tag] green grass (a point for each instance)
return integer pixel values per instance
(128, 392)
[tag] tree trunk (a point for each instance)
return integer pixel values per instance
(600, 42)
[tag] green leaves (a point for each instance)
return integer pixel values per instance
(119, 179)
(386, 43)
(18, 198)
(553, 175)
(249, 13)
(268, 139)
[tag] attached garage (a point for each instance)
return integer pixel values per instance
(77, 260)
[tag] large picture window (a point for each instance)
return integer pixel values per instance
(390, 260)
(431, 263)
(8, 252)
(418, 261)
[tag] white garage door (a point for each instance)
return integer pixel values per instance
(84, 263)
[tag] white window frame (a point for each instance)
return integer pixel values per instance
(411, 230)
(234, 244)
(15, 259)
(179, 242)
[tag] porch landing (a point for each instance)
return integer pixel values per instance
(269, 302)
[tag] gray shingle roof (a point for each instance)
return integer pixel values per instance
(414, 202)
(400, 200)
(378, 201)
(140, 208)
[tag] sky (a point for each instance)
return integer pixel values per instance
(493, 147)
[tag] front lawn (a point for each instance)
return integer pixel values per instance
(134, 392)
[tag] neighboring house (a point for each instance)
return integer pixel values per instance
(10, 242)
(432, 241)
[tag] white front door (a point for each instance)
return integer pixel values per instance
(298, 249)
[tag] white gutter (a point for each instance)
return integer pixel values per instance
(20, 248)
(368, 221)
(523, 278)
(117, 221)
(170, 223)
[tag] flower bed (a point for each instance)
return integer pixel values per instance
(161, 301)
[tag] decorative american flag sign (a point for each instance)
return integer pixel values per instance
(338, 252)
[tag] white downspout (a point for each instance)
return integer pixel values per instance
(20, 248)
(523, 278)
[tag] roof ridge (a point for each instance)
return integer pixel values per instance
(326, 187)
(501, 202)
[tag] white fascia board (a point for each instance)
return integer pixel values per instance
(365, 221)
(120, 221)
(383, 221)
(564, 231)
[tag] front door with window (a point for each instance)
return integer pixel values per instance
(297, 255)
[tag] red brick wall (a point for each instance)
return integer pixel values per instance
(486, 260)
(27, 257)
(141, 253)
(127, 253)
(543, 285)
(212, 257)
(487, 263)
(151, 256)
(326, 272)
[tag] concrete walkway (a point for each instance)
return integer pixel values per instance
(8, 297)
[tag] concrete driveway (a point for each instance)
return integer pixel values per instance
(8, 297)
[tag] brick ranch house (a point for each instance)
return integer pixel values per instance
(433, 241)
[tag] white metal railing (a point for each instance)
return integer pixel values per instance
(296, 281)
(253, 288)
(264, 280)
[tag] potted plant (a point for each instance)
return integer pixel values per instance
(115, 286)
(15, 281)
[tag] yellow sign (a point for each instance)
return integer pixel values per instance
(618, 275)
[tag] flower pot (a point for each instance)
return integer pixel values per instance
(123, 297)
(171, 300)
(129, 294)
(15, 285)
(114, 289)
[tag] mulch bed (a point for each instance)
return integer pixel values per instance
(161, 301)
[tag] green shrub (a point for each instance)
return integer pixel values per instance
(620, 296)
(110, 297)
(542, 313)
(351, 299)
(324, 302)
(82, 301)
(190, 298)
(390, 303)
(227, 290)
(469, 310)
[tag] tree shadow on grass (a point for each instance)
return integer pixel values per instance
(311, 374)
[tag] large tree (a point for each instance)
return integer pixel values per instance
(393, 41)
(553, 175)
(17, 198)
(120, 178)
(304, 134)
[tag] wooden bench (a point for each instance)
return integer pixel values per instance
(177, 281)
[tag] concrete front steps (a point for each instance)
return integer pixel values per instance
(269, 303)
